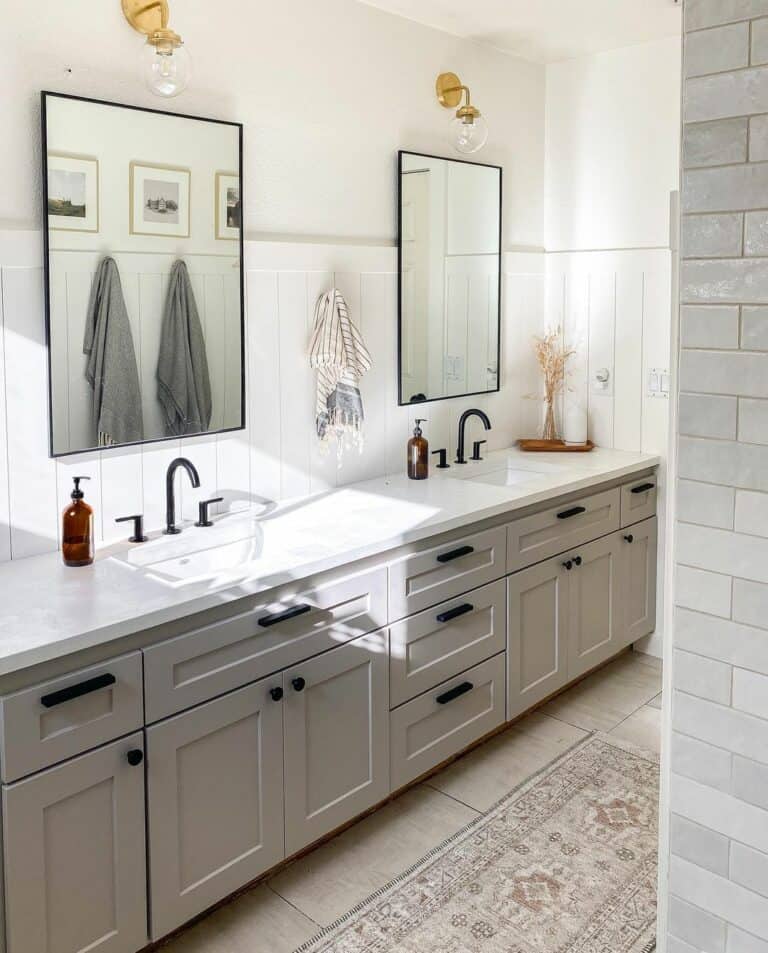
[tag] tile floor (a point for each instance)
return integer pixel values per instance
(280, 914)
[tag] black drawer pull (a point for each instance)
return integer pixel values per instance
(75, 691)
(268, 620)
(455, 554)
(574, 511)
(298, 684)
(455, 613)
(630, 538)
(454, 693)
(134, 757)
(643, 488)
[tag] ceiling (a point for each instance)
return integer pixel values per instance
(546, 31)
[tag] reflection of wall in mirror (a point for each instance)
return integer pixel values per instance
(117, 137)
(450, 280)
(144, 281)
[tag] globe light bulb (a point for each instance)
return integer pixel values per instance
(469, 133)
(167, 68)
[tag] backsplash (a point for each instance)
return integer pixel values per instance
(277, 456)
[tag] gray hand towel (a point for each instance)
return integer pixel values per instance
(184, 387)
(111, 369)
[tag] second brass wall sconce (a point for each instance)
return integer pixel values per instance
(166, 63)
(469, 130)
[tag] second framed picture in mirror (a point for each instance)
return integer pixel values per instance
(143, 273)
(449, 276)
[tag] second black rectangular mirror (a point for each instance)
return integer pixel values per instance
(449, 264)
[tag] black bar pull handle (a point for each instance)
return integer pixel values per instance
(643, 488)
(455, 613)
(75, 691)
(454, 693)
(455, 554)
(267, 620)
(573, 511)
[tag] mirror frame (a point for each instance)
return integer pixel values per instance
(45, 95)
(478, 393)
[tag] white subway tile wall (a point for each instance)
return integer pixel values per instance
(718, 877)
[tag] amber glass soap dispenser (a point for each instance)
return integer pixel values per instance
(418, 453)
(77, 529)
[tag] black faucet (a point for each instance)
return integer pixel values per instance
(462, 426)
(171, 528)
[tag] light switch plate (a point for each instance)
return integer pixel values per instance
(658, 383)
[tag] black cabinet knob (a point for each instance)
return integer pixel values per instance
(135, 756)
(276, 693)
(568, 564)
(630, 538)
(577, 560)
(298, 684)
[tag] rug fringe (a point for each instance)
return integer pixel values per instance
(649, 947)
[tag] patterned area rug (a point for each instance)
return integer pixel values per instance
(564, 864)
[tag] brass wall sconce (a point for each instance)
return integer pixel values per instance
(469, 130)
(166, 65)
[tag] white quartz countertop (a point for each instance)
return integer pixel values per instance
(48, 610)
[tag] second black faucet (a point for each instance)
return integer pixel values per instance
(462, 427)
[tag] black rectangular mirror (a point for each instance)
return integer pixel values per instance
(144, 278)
(449, 270)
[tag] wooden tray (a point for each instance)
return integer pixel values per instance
(555, 446)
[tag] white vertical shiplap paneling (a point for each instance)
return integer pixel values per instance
(31, 474)
(277, 455)
(615, 311)
(5, 513)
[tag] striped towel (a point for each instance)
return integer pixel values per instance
(340, 357)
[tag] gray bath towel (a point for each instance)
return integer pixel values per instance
(111, 369)
(184, 387)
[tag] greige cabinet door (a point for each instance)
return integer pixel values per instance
(74, 852)
(638, 563)
(215, 799)
(596, 613)
(336, 738)
(537, 643)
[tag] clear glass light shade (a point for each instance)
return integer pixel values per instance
(166, 71)
(469, 137)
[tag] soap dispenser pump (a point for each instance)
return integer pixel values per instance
(77, 529)
(418, 453)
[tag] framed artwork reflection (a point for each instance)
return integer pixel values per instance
(159, 201)
(228, 206)
(73, 193)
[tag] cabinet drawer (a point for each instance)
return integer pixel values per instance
(541, 535)
(424, 579)
(270, 635)
(638, 500)
(442, 642)
(64, 717)
(429, 729)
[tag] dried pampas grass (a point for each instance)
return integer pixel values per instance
(552, 356)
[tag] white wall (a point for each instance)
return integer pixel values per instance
(612, 134)
(327, 92)
(612, 160)
(277, 456)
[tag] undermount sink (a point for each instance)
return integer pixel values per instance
(507, 476)
(511, 473)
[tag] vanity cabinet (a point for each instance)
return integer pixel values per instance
(336, 710)
(639, 563)
(569, 614)
(215, 801)
(74, 855)
(270, 724)
(537, 639)
(596, 629)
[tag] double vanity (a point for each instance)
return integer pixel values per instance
(186, 714)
